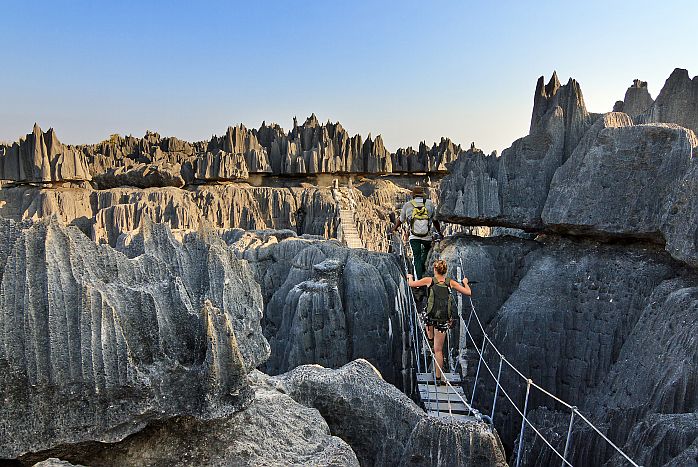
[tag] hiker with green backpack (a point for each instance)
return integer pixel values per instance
(419, 214)
(440, 307)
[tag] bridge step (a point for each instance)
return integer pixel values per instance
(431, 389)
(453, 378)
(456, 407)
(430, 396)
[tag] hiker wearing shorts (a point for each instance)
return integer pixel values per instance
(419, 214)
(439, 311)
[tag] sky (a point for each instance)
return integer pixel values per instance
(409, 70)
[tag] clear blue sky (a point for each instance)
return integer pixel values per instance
(410, 70)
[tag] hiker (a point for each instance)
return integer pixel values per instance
(419, 213)
(439, 313)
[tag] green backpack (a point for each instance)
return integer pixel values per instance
(440, 301)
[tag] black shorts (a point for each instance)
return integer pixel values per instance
(438, 325)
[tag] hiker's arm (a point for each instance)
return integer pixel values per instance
(437, 225)
(463, 288)
(399, 220)
(420, 283)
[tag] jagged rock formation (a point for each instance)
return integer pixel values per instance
(157, 174)
(677, 102)
(310, 148)
(573, 176)
(95, 346)
(241, 143)
(605, 327)
(511, 190)
(221, 166)
(145, 356)
(329, 305)
(106, 214)
(610, 168)
(40, 158)
(382, 425)
(637, 100)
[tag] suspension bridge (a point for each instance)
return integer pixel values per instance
(456, 400)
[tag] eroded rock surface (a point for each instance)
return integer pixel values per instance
(96, 345)
(382, 425)
(637, 100)
(328, 304)
(511, 190)
(40, 158)
(273, 430)
(608, 328)
(582, 174)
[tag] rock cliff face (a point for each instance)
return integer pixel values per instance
(95, 345)
(583, 320)
(106, 214)
(637, 100)
(40, 158)
(145, 354)
(573, 177)
(272, 430)
(308, 149)
(597, 309)
(511, 190)
(382, 425)
(677, 102)
(329, 305)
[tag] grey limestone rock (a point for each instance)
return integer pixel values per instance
(328, 304)
(603, 188)
(106, 214)
(608, 328)
(637, 100)
(677, 102)
(96, 345)
(511, 190)
(237, 142)
(473, 444)
(585, 174)
(54, 462)
(382, 425)
(221, 166)
(40, 158)
(273, 430)
(646, 402)
(142, 175)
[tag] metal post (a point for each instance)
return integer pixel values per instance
(477, 373)
(569, 437)
(523, 423)
(496, 389)
(467, 326)
(436, 385)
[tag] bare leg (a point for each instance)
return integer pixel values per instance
(439, 338)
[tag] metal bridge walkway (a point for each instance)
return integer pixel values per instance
(443, 401)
